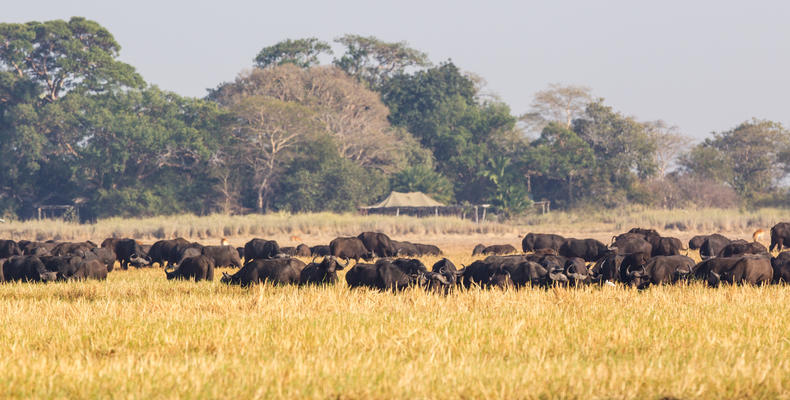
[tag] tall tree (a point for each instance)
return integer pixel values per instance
(61, 56)
(750, 157)
(374, 61)
(300, 52)
(269, 131)
(670, 143)
(559, 103)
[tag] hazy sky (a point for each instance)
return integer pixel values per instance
(701, 65)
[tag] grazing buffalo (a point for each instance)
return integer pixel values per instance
(75, 249)
(9, 248)
(661, 270)
(26, 268)
(633, 245)
(129, 252)
(713, 245)
(405, 249)
(320, 251)
(223, 256)
(438, 283)
(303, 250)
(747, 269)
(169, 250)
(83, 270)
(486, 274)
(478, 250)
(199, 268)
(645, 233)
(537, 241)
(36, 248)
(428, 249)
(781, 266)
(398, 276)
(278, 271)
(665, 246)
(378, 243)
(498, 249)
(63, 265)
(105, 255)
(260, 249)
(577, 272)
(586, 249)
(696, 242)
(737, 247)
(780, 236)
(348, 248)
(289, 251)
(324, 272)
(362, 275)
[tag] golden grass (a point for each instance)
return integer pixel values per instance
(140, 336)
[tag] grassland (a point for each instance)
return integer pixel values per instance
(139, 336)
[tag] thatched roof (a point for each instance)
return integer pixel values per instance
(411, 199)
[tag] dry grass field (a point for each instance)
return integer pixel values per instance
(139, 336)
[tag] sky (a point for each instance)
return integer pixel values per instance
(700, 65)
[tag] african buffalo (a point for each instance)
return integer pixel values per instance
(633, 245)
(747, 269)
(665, 246)
(428, 249)
(362, 275)
(661, 270)
(498, 249)
(168, 250)
(713, 245)
(405, 249)
(478, 249)
(198, 268)
(26, 268)
(129, 252)
(348, 248)
(378, 243)
(486, 274)
(260, 249)
(278, 271)
(781, 266)
(84, 269)
(696, 242)
(223, 256)
(780, 236)
(586, 249)
(737, 247)
(9, 248)
(320, 251)
(324, 272)
(537, 241)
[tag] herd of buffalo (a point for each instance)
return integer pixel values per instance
(639, 257)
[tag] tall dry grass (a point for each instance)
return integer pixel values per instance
(140, 336)
(590, 222)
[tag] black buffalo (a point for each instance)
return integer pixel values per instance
(26, 268)
(260, 249)
(486, 274)
(223, 256)
(129, 252)
(378, 243)
(780, 236)
(349, 248)
(478, 249)
(499, 249)
(278, 271)
(9, 248)
(72, 248)
(586, 249)
(84, 269)
(324, 272)
(105, 255)
(747, 269)
(362, 275)
(428, 249)
(405, 249)
(168, 250)
(198, 268)
(713, 245)
(537, 241)
(320, 251)
(781, 266)
(737, 247)
(662, 270)
(665, 246)
(696, 242)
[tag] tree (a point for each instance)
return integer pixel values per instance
(300, 52)
(354, 116)
(61, 56)
(750, 157)
(669, 144)
(269, 130)
(373, 61)
(559, 103)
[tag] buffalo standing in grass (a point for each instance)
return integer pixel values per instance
(405, 249)
(349, 248)
(320, 251)
(586, 249)
(362, 275)
(737, 247)
(168, 250)
(9, 248)
(662, 270)
(537, 241)
(260, 249)
(278, 271)
(378, 243)
(84, 269)
(713, 245)
(478, 250)
(223, 256)
(780, 236)
(26, 268)
(324, 272)
(499, 249)
(198, 268)
(781, 266)
(428, 249)
(745, 269)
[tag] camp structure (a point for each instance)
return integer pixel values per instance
(412, 203)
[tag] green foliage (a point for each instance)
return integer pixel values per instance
(751, 158)
(374, 62)
(300, 52)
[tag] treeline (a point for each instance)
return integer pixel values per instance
(78, 126)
